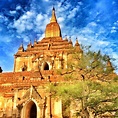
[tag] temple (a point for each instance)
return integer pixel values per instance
(22, 92)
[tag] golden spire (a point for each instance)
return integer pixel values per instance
(53, 29)
(53, 18)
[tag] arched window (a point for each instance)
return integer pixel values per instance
(24, 68)
(46, 66)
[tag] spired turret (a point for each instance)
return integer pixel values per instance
(77, 46)
(53, 28)
(21, 48)
(1, 70)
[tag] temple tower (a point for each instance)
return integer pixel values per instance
(53, 28)
(48, 54)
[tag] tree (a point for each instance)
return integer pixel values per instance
(98, 99)
(88, 65)
(89, 82)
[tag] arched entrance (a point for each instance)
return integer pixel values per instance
(46, 66)
(31, 110)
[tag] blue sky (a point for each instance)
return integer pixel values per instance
(93, 22)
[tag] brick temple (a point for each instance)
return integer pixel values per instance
(22, 92)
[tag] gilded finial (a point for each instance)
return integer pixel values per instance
(66, 37)
(53, 8)
(76, 39)
(35, 41)
(30, 42)
(53, 18)
(70, 41)
(76, 44)
(21, 44)
(21, 48)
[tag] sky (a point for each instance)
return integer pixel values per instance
(93, 22)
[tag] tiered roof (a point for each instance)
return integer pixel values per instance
(50, 44)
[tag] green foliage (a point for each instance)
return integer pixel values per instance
(68, 90)
(93, 61)
(98, 96)
(115, 79)
(68, 77)
(90, 65)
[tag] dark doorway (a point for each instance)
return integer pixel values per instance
(46, 66)
(33, 111)
(24, 68)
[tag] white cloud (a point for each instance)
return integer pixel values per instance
(93, 24)
(46, 0)
(61, 9)
(12, 12)
(41, 37)
(29, 26)
(39, 18)
(80, 3)
(113, 31)
(18, 7)
(60, 19)
(105, 43)
(40, 22)
(19, 25)
(31, 20)
(113, 27)
(28, 15)
(86, 30)
(25, 22)
(73, 12)
(26, 39)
